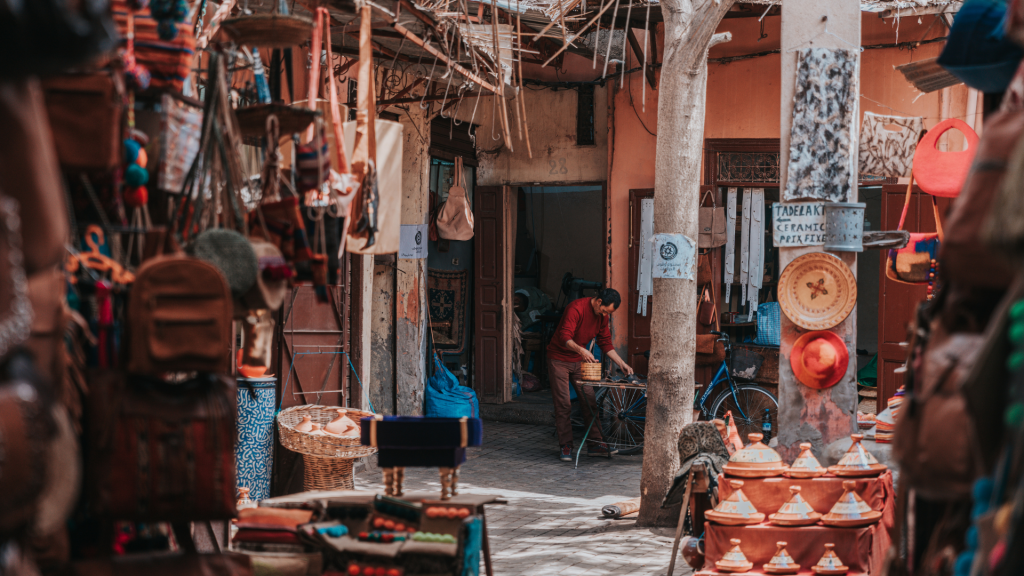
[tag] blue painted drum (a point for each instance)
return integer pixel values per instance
(254, 451)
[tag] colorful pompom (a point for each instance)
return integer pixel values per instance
(135, 176)
(131, 151)
(136, 197)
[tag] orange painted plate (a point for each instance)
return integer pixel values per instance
(817, 291)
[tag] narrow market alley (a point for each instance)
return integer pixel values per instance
(552, 523)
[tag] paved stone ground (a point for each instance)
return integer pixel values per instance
(552, 523)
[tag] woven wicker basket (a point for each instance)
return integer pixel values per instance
(590, 371)
(325, 473)
(320, 444)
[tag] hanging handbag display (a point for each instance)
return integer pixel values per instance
(86, 140)
(711, 220)
(455, 217)
(704, 271)
(943, 173)
(705, 307)
(916, 262)
(162, 451)
(710, 351)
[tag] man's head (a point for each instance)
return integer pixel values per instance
(606, 302)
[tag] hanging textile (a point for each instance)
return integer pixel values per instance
(885, 152)
(643, 273)
(745, 246)
(823, 134)
(730, 243)
(755, 270)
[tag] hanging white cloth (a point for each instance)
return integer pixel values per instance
(643, 274)
(730, 243)
(745, 245)
(755, 276)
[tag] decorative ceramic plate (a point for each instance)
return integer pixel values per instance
(817, 291)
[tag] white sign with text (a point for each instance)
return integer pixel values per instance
(674, 256)
(413, 242)
(798, 224)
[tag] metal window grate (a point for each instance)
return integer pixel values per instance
(751, 167)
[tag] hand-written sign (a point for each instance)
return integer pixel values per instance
(674, 256)
(798, 224)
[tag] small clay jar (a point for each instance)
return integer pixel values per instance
(342, 425)
(316, 429)
(693, 551)
(305, 426)
(243, 499)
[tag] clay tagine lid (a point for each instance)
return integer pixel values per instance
(342, 425)
(806, 465)
(850, 510)
(734, 560)
(782, 562)
(830, 564)
(857, 461)
(755, 460)
(736, 510)
(795, 512)
(305, 426)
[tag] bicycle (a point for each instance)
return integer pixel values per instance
(754, 409)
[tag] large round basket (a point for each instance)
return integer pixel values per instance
(327, 458)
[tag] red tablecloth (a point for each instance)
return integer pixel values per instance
(862, 549)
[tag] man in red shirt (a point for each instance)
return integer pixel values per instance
(583, 320)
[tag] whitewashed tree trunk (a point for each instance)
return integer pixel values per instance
(689, 33)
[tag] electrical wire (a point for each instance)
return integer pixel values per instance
(633, 106)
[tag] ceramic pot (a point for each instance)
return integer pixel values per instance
(342, 425)
(305, 426)
(693, 551)
(851, 510)
(755, 460)
(734, 560)
(782, 562)
(795, 512)
(736, 510)
(830, 564)
(857, 461)
(806, 465)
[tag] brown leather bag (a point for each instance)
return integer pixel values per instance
(85, 114)
(937, 464)
(711, 220)
(179, 317)
(162, 451)
(710, 351)
(162, 564)
(455, 217)
(704, 271)
(963, 254)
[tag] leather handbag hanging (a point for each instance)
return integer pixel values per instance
(706, 307)
(915, 262)
(704, 270)
(179, 317)
(86, 140)
(710, 350)
(943, 173)
(455, 217)
(162, 451)
(711, 220)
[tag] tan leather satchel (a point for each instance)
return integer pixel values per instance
(455, 219)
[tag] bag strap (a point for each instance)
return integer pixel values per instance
(935, 210)
(458, 172)
(714, 198)
(906, 203)
(938, 221)
(339, 135)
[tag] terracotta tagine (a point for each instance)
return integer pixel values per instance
(857, 461)
(830, 564)
(736, 510)
(734, 560)
(316, 429)
(851, 510)
(782, 562)
(342, 425)
(755, 460)
(305, 426)
(795, 512)
(806, 465)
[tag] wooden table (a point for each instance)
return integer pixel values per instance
(602, 387)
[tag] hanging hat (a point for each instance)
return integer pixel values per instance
(755, 460)
(850, 511)
(782, 562)
(795, 512)
(232, 254)
(806, 465)
(819, 359)
(817, 291)
(734, 560)
(272, 281)
(830, 564)
(857, 461)
(736, 510)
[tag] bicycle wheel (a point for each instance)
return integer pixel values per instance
(753, 400)
(623, 415)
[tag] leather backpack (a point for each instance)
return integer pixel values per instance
(963, 253)
(179, 317)
(455, 218)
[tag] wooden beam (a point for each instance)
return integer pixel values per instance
(440, 56)
(639, 52)
(382, 105)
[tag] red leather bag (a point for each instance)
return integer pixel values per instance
(162, 451)
(943, 173)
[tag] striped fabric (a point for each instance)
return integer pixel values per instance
(168, 62)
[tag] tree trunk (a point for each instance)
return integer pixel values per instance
(689, 33)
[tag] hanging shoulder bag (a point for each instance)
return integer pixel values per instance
(455, 218)
(916, 262)
(943, 173)
(711, 220)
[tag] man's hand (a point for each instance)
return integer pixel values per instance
(626, 369)
(587, 356)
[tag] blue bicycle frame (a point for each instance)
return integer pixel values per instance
(722, 375)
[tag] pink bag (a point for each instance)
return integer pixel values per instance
(455, 218)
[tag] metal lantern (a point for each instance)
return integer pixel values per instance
(844, 226)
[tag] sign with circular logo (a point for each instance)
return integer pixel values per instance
(668, 251)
